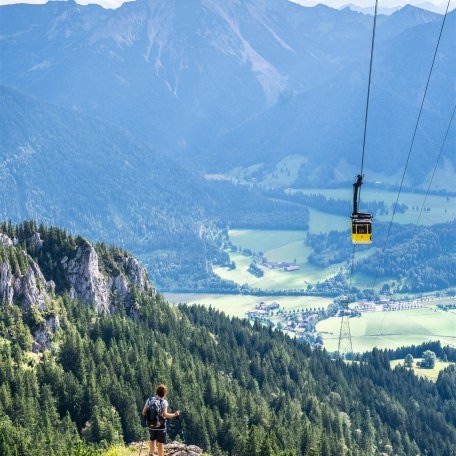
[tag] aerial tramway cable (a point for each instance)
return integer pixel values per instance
(426, 195)
(411, 147)
(361, 232)
(357, 189)
(432, 176)
(369, 86)
(366, 115)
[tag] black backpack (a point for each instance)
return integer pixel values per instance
(154, 417)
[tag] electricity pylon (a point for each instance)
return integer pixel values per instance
(345, 340)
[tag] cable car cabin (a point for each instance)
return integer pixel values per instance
(361, 221)
(362, 230)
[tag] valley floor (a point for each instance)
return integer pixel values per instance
(371, 329)
(238, 305)
(393, 329)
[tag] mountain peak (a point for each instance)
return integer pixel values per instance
(414, 11)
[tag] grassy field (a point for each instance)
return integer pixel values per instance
(430, 374)
(322, 222)
(289, 245)
(393, 329)
(276, 245)
(266, 240)
(276, 279)
(238, 305)
(443, 209)
(283, 245)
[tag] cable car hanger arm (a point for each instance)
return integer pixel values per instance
(356, 188)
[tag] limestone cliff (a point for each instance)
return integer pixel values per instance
(86, 280)
(34, 264)
(90, 283)
(23, 283)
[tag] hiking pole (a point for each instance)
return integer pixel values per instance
(142, 443)
(183, 435)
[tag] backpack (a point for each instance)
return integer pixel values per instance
(154, 416)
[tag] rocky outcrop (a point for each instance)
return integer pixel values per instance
(45, 333)
(30, 292)
(28, 289)
(178, 449)
(138, 275)
(31, 287)
(86, 280)
(101, 279)
(171, 449)
(91, 284)
(5, 241)
(35, 240)
(6, 283)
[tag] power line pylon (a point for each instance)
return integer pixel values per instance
(345, 345)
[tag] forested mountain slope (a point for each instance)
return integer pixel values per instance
(62, 167)
(243, 389)
(418, 258)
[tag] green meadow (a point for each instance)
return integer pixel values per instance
(385, 330)
(430, 374)
(238, 305)
(393, 329)
(276, 245)
(289, 245)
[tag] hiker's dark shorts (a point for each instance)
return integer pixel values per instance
(158, 434)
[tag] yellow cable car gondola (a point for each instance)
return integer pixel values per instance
(361, 221)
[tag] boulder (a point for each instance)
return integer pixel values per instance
(171, 449)
(5, 241)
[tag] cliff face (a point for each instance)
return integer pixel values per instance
(31, 271)
(90, 284)
(87, 281)
(28, 288)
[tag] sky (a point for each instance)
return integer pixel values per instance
(435, 5)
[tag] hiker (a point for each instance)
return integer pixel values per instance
(156, 411)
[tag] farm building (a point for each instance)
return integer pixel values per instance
(264, 306)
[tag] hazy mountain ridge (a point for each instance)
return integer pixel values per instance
(172, 71)
(87, 175)
(179, 73)
(330, 135)
(62, 167)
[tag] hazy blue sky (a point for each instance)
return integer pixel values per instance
(437, 4)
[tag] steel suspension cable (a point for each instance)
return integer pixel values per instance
(427, 192)
(366, 115)
(411, 147)
(432, 176)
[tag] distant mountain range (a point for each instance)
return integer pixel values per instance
(324, 125)
(384, 7)
(390, 9)
(211, 80)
